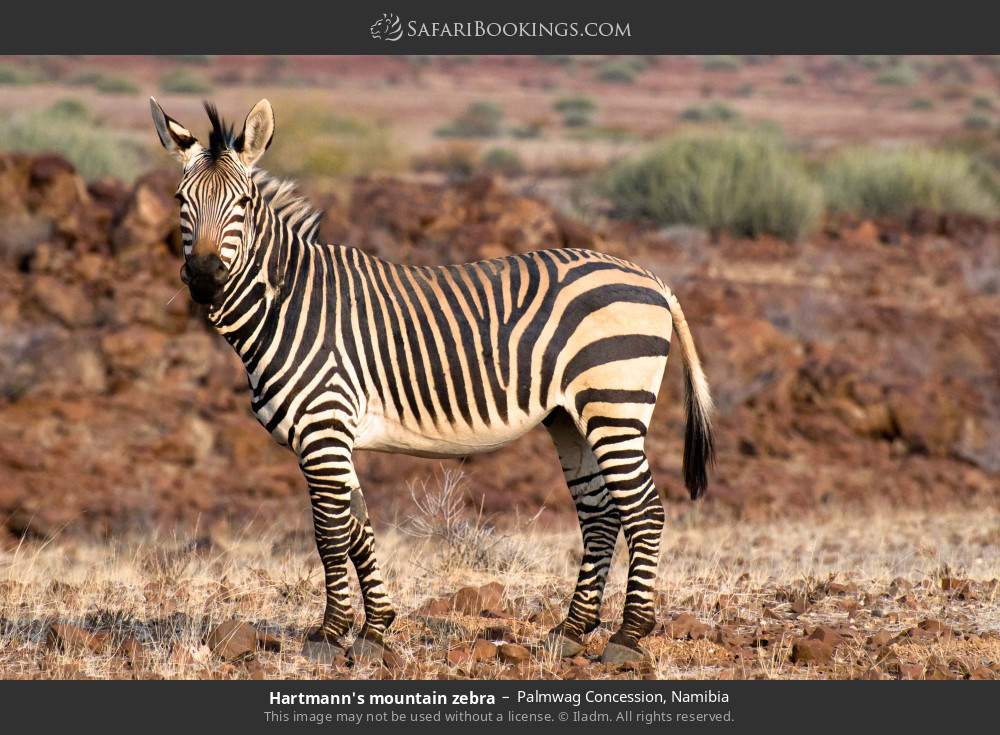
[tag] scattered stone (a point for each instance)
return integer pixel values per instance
(459, 656)
(72, 639)
(366, 651)
(483, 650)
(474, 600)
(619, 655)
(800, 605)
(881, 638)
(268, 642)
(911, 672)
(233, 641)
(324, 652)
(563, 646)
(811, 650)
(827, 635)
(686, 626)
(512, 653)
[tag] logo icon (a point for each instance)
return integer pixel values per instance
(387, 28)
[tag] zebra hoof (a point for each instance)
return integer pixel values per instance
(366, 651)
(323, 651)
(562, 645)
(616, 653)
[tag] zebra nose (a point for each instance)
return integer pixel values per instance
(204, 275)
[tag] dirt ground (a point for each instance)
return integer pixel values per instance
(896, 594)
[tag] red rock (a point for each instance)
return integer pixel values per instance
(911, 671)
(810, 650)
(233, 641)
(512, 653)
(827, 635)
(459, 656)
(474, 600)
(73, 639)
(483, 650)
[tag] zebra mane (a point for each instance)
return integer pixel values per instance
(288, 205)
(222, 137)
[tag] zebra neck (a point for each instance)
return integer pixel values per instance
(248, 315)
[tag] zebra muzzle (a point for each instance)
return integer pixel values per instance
(204, 275)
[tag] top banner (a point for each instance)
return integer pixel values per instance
(449, 27)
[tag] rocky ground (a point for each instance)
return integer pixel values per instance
(824, 597)
(856, 368)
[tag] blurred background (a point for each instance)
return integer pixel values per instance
(830, 224)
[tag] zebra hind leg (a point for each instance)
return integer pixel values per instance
(599, 525)
(618, 445)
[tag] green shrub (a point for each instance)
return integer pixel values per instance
(899, 75)
(921, 103)
(576, 103)
(94, 150)
(185, 81)
(714, 112)
(895, 182)
(744, 90)
(616, 72)
(721, 63)
(16, 75)
(315, 143)
(982, 102)
(115, 85)
(480, 120)
(746, 182)
(69, 108)
(503, 161)
(530, 130)
(977, 121)
(576, 119)
(792, 78)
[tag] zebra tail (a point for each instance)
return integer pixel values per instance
(699, 446)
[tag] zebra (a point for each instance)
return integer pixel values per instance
(345, 351)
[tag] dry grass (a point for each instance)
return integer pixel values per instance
(168, 592)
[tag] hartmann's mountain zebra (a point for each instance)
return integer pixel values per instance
(345, 351)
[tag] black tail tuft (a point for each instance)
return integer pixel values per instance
(699, 448)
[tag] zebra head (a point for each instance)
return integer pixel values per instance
(216, 193)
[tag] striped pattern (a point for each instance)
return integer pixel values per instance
(346, 351)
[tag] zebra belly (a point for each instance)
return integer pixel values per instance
(382, 434)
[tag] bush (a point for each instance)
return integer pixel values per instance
(503, 161)
(982, 102)
(115, 85)
(977, 121)
(792, 78)
(67, 129)
(185, 81)
(745, 182)
(715, 112)
(921, 103)
(895, 182)
(721, 63)
(14, 75)
(456, 160)
(897, 76)
(576, 103)
(316, 143)
(531, 129)
(576, 119)
(480, 120)
(616, 72)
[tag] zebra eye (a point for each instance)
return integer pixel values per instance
(179, 197)
(244, 200)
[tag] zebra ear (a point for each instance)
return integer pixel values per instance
(258, 131)
(176, 139)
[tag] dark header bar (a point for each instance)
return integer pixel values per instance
(511, 27)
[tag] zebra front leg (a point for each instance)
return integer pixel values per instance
(332, 522)
(370, 643)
